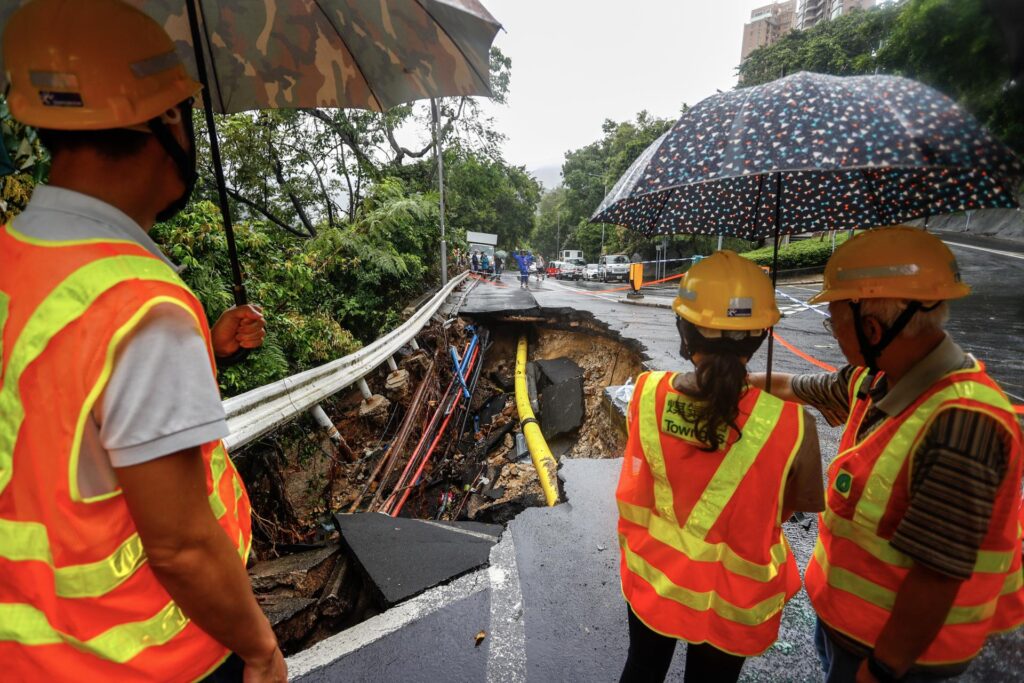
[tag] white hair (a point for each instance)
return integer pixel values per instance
(922, 322)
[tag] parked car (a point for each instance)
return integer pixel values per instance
(592, 272)
(576, 268)
(613, 267)
(554, 269)
(564, 270)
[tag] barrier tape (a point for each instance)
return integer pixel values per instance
(807, 357)
(628, 288)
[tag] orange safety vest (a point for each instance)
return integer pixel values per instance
(78, 601)
(703, 555)
(855, 573)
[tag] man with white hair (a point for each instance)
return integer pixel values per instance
(918, 556)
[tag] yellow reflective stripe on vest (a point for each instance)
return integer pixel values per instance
(26, 625)
(650, 441)
(702, 602)
(880, 596)
(734, 466)
(66, 303)
(28, 541)
(218, 465)
(989, 561)
(700, 550)
(879, 486)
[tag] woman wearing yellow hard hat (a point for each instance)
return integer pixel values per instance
(712, 468)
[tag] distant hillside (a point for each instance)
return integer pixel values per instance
(550, 176)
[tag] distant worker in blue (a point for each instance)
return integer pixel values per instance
(523, 260)
(485, 263)
(474, 262)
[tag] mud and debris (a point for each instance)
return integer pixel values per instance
(420, 449)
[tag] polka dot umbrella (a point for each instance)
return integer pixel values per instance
(811, 152)
(841, 152)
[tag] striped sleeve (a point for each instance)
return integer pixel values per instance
(958, 469)
(829, 393)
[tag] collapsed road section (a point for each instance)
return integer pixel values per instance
(411, 488)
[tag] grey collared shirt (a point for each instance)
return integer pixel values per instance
(162, 396)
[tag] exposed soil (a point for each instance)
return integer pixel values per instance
(299, 477)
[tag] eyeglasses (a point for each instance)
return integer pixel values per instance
(827, 324)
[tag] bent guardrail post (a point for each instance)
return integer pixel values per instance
(254, 413)
(321, 419)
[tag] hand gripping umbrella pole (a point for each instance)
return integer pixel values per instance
(237, 288)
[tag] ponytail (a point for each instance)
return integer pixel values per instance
(721, 381)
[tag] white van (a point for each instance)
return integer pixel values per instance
(613, 267)
(569, 254)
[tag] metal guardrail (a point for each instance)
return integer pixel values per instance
(254, 413)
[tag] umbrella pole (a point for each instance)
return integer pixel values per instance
(237, 288)
(435, 115)
(775, 277)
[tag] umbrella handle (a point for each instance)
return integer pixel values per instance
(237, 287)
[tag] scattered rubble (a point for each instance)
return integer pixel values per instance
(412, 450)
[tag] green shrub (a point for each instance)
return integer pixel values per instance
(806, 253)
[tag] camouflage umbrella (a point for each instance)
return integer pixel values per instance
(365, 54)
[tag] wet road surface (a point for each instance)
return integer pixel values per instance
(550, 601)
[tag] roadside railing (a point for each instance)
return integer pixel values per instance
(254, 413)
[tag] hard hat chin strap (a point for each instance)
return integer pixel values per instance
(185, 161)
(872, 352)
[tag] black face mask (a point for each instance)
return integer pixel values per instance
(185, 161)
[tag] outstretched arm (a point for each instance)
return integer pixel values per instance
(782, 385)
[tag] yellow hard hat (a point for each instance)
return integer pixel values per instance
(74, 65)
(727, 292)
(899, 262)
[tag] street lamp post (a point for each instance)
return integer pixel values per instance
(604, 182)
(435, 115)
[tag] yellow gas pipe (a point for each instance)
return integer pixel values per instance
(543, 461)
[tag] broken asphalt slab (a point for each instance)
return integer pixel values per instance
(561, 407)
(552, 610)
(404, 557)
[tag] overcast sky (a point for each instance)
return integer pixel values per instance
(576, 63)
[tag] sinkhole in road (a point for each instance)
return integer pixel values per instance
(310, 582)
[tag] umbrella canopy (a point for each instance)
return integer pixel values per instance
(366, 54)
(843, 153)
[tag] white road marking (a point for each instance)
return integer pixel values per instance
(991, 251)
(506, 649)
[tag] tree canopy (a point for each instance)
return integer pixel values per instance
(336, 215)
(955, 46)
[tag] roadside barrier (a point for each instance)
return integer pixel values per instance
(254, 413)
(543, 461)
